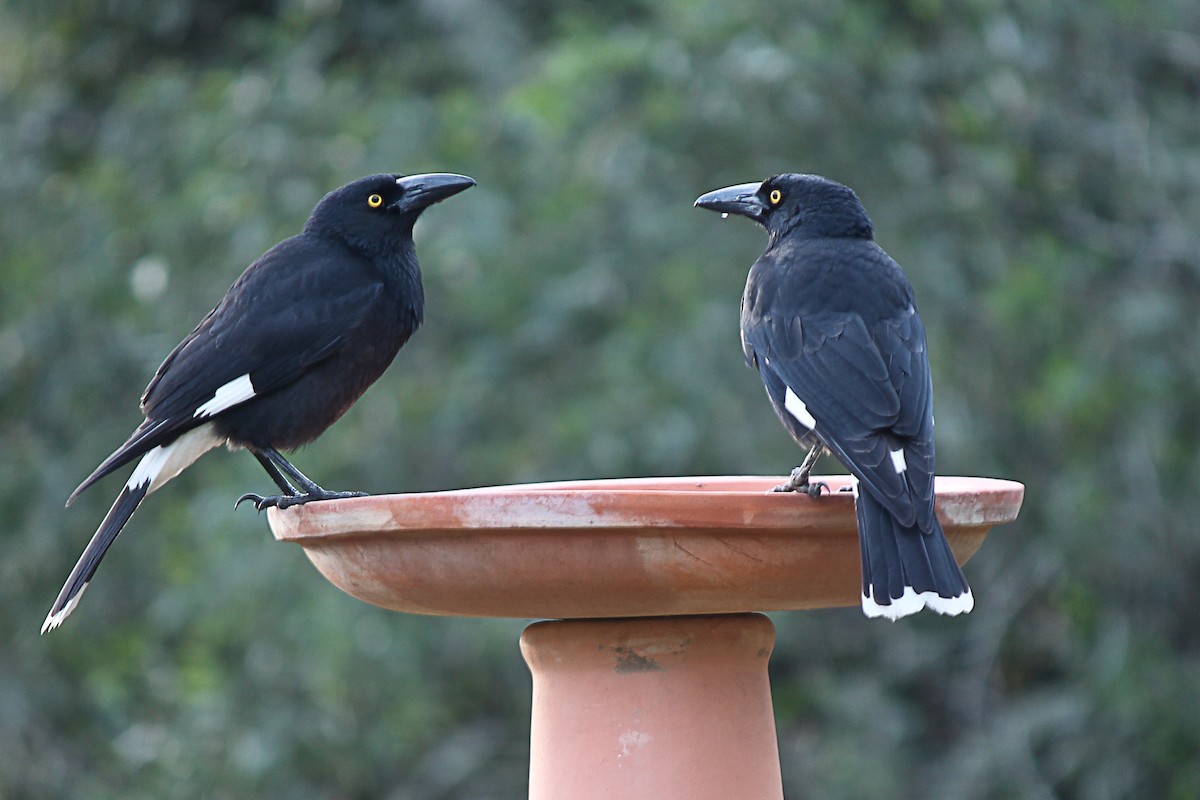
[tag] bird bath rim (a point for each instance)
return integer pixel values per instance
(613, 547)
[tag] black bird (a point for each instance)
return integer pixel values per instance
(830, 323)
(295, 341)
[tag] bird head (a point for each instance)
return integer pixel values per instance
(809, 204)
(372, 211)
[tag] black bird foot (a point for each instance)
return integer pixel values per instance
(282, 501)
(798, 482)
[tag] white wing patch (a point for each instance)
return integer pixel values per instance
(238, 390)
(898, 461)
(167, 460)
(795, 406)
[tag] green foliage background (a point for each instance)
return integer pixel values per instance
(1035, 167)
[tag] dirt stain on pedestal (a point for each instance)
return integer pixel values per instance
(630, 661)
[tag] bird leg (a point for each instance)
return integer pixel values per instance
(297, 487)
(798, 482)
(280, 480)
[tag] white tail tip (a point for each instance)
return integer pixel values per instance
(911, 602)
(54, 619)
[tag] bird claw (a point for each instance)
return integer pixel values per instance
(810, 489)
(257, 500)
(799, 482)
(283, 501)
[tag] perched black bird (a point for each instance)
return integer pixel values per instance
(830, 323)
(295, 341)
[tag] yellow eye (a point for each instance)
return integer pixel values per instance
(374, 201)
(776, 196)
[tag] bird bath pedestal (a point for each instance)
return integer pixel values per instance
(651, 679)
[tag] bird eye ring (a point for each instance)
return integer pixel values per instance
(776, 196)
(374, 201)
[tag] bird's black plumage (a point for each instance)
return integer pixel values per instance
(830, 322)
(293, 344)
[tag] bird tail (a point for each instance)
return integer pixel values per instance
(157, 466)
(127, 502)
(905, 568)
(148, 436)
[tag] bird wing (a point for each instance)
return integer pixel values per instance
(863, 379)
(288, 312)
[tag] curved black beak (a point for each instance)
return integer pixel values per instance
(422, 191)
(742, 199)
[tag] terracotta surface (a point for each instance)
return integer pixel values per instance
(658, 705)
(612, 548)
(660, 708)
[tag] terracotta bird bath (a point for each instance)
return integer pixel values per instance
(651, 679)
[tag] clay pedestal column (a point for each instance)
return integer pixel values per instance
(671, 707)
(652, 682)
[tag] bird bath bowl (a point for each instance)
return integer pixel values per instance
(652, 680)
